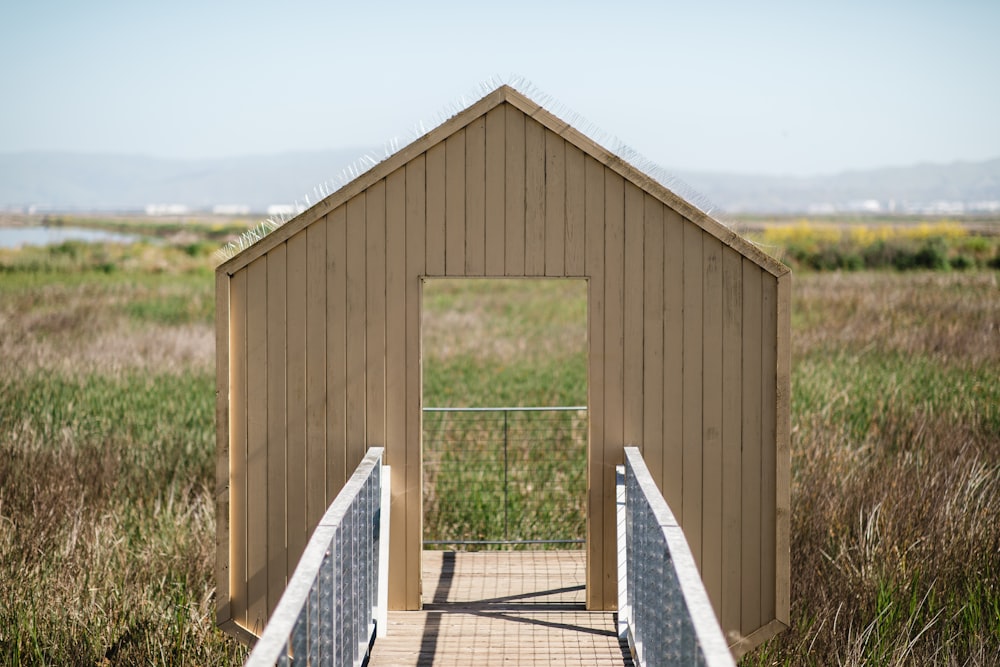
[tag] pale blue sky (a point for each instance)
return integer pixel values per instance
(759, 87)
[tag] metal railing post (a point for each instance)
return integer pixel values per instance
(506, 494)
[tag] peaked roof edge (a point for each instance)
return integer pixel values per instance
(261, 241)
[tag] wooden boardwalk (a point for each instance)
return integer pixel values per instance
(501, 608)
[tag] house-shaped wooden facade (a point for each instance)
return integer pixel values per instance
(318, 343)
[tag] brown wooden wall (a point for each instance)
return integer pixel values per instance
(324, 360)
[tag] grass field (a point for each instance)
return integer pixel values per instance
(502, 343)
(107, 529)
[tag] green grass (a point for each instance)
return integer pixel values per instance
(500, 343)
(895, 472)
(107, 458)
(107, 529)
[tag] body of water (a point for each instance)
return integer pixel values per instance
(15, 237)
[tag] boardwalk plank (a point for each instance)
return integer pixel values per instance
(501, 608)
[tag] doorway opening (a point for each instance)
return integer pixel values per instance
(504, 438)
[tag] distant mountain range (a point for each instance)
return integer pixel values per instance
(99, 182)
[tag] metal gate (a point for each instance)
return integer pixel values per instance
(509, 477)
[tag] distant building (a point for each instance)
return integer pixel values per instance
(167, 209)
(231, 209)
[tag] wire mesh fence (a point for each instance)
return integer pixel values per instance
(505, 477)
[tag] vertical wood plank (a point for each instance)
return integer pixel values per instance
(652, 338)
(396, 440)
(316, 366)
(238, 415)
(454, 221)
(575, 211)
(594, 213)
(277, 516)
(692, 427)
(375, 315)
(435, 211)
(395, 317)
(514, 193)
(711, 540)
(614, 361)
(750, 618)
(475, 197)
(336, 352)
(768, 405)
(555, 204)
(732, 417)
(355, 416)
(634, 401)
(534, 198)
(783, 461)
(673, 362)
(405, 587)
(295, 396)
(223, 432)
(257, 478)
(496, 177)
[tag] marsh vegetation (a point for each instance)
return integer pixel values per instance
(107, 528)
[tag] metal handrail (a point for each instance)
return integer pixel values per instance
(336, 600)
(663, 610)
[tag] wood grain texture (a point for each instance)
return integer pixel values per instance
(256, 538)
(594, 174)
(732, 441)
(693, 331)
(454, 217)
(496, 190)
(514, 193)
(751, 488)
(223, 610)
(277, 499)
(238, 468)
(555, 205)
(576, 200)
(397, 212)
(534, 198)
(395, 318)
(375, 248)
(336, 353)
(634, 228)
(652, 338)
(673, 361)
(296, 527)
(404, 568)
(475, 198)
(434, 167)
(316, 365)
(768, 464)
(356, 415)
(614, 381)
(783, 459)
(712, 383)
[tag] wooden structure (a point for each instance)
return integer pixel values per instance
(502, 608)
(318, 344)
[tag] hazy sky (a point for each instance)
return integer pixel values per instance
(766, 87)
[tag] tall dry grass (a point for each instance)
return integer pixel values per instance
(106, 462)
(896, 472)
